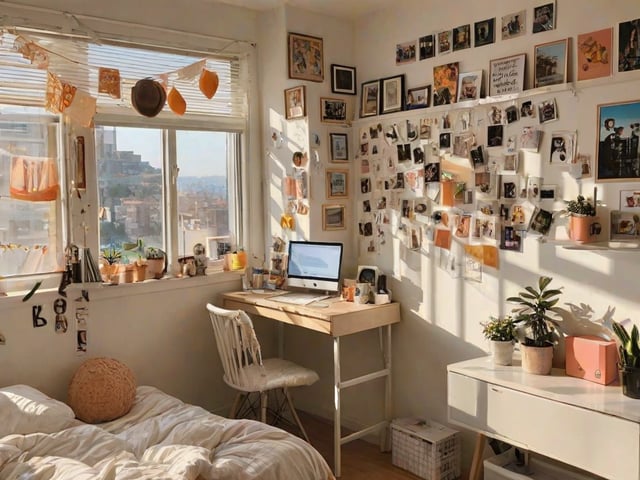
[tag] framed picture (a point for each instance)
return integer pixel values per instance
(484, 32)
(418, 97)
(513, 25)
(625, 225)
(343, 79)
(426, 47)
(337, 183)
(547, 111)
(333, 217)
(630, 200)
(369, 98)
(405, 53)
(339, 147)
(306, 57)
(595, 54)
(445, 83)
(550, 63)
(461, 37)
(469, 86)
(544, 17)
(392, 90)
(333, 110)
(506, 75)
(295, 105)
(628, 58)
(445, 41)
(618, 149)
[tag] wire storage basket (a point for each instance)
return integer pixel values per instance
(425, 448)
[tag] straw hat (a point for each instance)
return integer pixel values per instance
(148, 97)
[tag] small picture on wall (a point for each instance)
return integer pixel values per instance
(369, 98)
(445, 42)
(333, 217)
(337, 183)
(485, 33)
(550, 63)
(339, 147)
(469, 85)
(494, 135)
(618, 146)
(629, 199)
(511, 239)
(513, 25)
(306, 57)
(628, 49)
(595, 54)
(445, 83)
(405, 53)
(418, 97)
(544, 17)
(547, 111)
(333, 110)
(461, 37)
(426, 47)
(625, 225)
(294, 103)
(343, 79)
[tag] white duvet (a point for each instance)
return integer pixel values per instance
(162, 438)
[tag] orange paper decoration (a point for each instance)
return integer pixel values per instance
(208, 83)
(176, 101)
(109, 81)
(59, 94)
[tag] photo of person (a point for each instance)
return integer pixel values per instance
(484, 32)
(527, 110)
(461, 37)
(513, 25)
(619, 142)
(494, 135)
(543, 18)
(629, 45)
(426, 47)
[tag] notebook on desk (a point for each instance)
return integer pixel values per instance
(299, 298)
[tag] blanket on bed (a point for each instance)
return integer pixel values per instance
(162, 438)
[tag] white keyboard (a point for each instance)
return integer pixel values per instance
(299, 298)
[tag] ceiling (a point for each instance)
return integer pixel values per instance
(351, 9)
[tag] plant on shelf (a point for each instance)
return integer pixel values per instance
(501, 332)
(581, 206)
(112, 257)
(499, 329)
(629, 349)
(155, 262)
(534, 303)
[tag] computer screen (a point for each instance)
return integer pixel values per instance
(314, 265)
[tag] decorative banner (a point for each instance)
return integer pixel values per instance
(31, 51)
(109, 81)
(191, 71)
(82, 110)
(208, 83)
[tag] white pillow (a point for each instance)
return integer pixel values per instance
(25, 410)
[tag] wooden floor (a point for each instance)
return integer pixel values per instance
(361, 460)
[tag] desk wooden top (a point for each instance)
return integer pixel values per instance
(339, 318)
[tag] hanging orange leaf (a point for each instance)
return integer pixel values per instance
(176, 101)
(208, 83)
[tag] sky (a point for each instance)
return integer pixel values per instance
(199, 153)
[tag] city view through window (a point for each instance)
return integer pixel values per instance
(131, 166)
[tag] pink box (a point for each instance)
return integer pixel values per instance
(592, 358)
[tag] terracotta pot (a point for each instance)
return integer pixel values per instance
(140, 273)
(584, 228)
(537, 360)
(502, 352)
(155, 267)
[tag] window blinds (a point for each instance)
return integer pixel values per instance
(77, 61)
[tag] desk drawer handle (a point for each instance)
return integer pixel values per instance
(497, 390)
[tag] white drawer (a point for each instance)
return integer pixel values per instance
(590, 440)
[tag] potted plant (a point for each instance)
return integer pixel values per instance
(111, 256)
(537, 346)
(155, 262)
(582, 213)
(501, 333)
(629, 349)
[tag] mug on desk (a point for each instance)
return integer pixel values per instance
(361, 294)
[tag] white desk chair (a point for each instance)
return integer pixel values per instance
(244, 368)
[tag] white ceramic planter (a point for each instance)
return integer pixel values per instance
(502, 352)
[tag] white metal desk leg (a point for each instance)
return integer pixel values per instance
(337, 434)
(385, 443)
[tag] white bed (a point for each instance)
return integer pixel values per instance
(160, 438)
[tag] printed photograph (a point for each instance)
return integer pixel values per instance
(550, 63)
(445, 83)
(513, 25)
(445, 42)
(544, 17)
(629, 45)
(405, 53)
(595, 58)
(426, 47)
(618, 153)
(484, 32)
(461, 37)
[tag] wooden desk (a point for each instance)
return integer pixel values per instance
(338, 319)
(584, 424)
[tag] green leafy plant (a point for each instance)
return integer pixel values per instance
(500, 329)
(111, 255)
(581, 206)
(629, 347)
(153, 253)
(532, 312)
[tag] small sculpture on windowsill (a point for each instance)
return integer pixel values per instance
(200, 258)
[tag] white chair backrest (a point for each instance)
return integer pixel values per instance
(237, 343)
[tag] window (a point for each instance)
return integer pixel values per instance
(133, 168)
(30, 205)
(169, 180)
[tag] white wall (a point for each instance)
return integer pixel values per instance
(441, 315)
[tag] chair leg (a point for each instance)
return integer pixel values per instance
(295, 414)
(235, 405)
(264, 396)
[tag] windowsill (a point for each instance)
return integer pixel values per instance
(103, 291)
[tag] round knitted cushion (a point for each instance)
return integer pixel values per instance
(102, 389)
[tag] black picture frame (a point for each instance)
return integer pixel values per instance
(418, 97)
(370, 98)
(392, 94)
(484, 32)
(339, 147)
(343, 79)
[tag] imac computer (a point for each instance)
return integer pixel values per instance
(314, 265)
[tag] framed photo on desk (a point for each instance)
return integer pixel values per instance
(368, 274)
